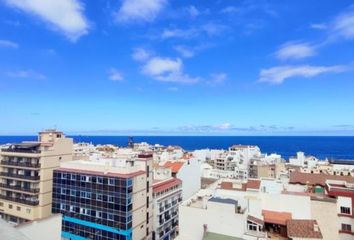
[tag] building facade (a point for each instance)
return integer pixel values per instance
(26, 173)
(167, 195)
(105, 200)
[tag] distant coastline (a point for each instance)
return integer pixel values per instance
(322, 147)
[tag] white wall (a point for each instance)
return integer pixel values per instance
(190, 174)
(49, 228)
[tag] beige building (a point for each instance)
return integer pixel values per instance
(26, 176)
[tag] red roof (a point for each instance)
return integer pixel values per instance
(253, 183)
(276, 217)
(303, 229)
(316, 178)
(229, 186)
(100, 173)
(175, 166)
(161, 186)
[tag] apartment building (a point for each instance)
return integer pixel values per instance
(167, 194)
(26, 174)
(105, 199)
(344, 193)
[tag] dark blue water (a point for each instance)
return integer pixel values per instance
(321, 147)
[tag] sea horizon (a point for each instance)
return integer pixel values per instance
(322, 147)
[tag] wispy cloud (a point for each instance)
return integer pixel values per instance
(140, 54)
(277, 75)
(217, 79)
(8, 44)
(343, 25)
(295, 50)
(26, 74)
(115, 75)
(230, 10)
(140, 10)
(167, 70)
(64, 15)
(318, 26)
(193, 11)
(209, 29)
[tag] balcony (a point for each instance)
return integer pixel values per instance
(12, 175)
(19, 188)
(15, 150)
(21, 164)
(27, 201)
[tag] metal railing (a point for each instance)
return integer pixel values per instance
(20, 150)
(21, 164)
(20, 200)
(19, 188)
(19, 176)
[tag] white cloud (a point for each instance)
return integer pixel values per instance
(8, 44)
(185, 51)
(209, 29)
(26, 74)
(343, 25)
(217, 78)
(207, 128)
(167, 70)
(295, 50)
(230, 10)
(318, 26)
(278, 75)
(115, 75)
(193, 11)
(140, 10)
(140, 54)
(65, 15)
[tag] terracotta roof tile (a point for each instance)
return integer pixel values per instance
(161, 186)
(253, 183)
(175, 166)
(276, 217)
(303, 229)
(316, 178)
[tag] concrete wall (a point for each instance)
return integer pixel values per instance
(49, 228)
(190, 174)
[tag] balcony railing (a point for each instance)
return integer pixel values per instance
(21, 200)
(21, 164)
(20, 150)
(19, 176)
(19, 188)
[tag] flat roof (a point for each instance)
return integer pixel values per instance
(217, 236)
(100, 173)
(9, 232)
(223, 200)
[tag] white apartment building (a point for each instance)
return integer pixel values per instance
(167, 194)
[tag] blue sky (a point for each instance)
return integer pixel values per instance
(168, 67)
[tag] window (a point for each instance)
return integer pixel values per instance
(72, 209)
(1, 204)
(63, 191)
(28, 210)
(72, 192)
(110, 199)
(73, 177)
(110, 216)
(99, 197)
(18, 208)
(147, 202)
(99, 180)
(346, 227)
(62, 206)
(345, 210)
(147, 186)
(111, 181)
(63, 176)
(99, 214)
(86, 195)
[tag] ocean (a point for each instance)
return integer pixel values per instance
(333, 148)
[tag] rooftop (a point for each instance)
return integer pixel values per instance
(175, 166)
(316, 178)
(163, 185)
(276, 217)
(223, 200)
(216, 236)
(303, 229)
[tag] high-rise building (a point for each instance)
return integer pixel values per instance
(105, 199)
(26, 173)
